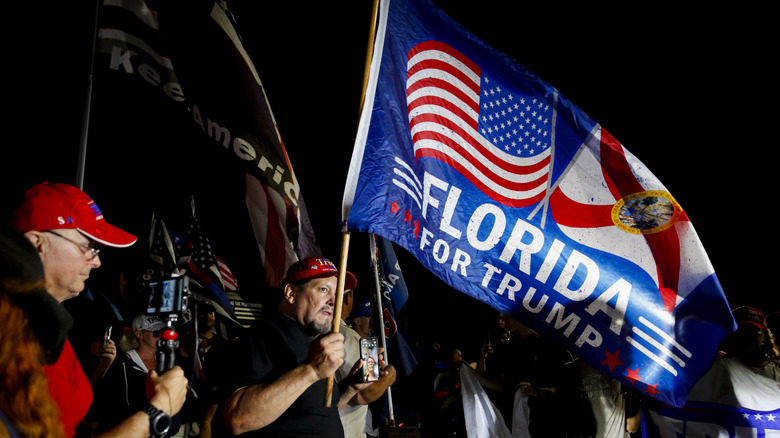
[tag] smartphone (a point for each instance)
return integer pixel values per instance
(107, 335)
(369, 353)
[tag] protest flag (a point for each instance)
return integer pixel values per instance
(194, 258)
(191, 55)
(394, 295)
(730, 400)
(203, 266)
(508, 192)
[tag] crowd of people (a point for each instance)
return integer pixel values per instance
(69, 371)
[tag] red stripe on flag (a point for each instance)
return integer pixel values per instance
(503, 165)
(275, 243)
(438, 45)
(446, 86)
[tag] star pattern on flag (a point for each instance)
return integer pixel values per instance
(633, 375)
(202, 253)
(408, 218)
(517, 124)
(611, 360)
(652, 390)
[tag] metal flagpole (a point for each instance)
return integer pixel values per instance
(87, 107)
(375, 262)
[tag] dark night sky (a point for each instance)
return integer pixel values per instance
(687, 91)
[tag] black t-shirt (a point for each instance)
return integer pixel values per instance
(273, 347)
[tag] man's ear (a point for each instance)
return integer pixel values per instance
(37, 240)
(289, 293)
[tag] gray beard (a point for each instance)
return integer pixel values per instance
(319, 329)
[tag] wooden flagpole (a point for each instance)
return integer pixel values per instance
(339, 298)
(345, 230)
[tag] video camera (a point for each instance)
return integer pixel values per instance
(167, 298)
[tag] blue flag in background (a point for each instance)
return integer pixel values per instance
(394, 296)
(511, 194)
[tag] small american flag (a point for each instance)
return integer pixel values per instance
(498, 139)
(228, 280)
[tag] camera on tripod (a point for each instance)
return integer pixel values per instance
(167, 298)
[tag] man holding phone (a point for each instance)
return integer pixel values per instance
(279, 370)
(353, 411)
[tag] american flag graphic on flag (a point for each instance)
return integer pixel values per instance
(499, 140)
(508, 192)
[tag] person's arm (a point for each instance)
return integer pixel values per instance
(256, 406)
(634, 423)
(105, 353)
(169, 392)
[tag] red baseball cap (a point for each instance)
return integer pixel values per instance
(54, 206)
(750, 315)
(317, 267)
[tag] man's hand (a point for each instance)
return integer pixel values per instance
(633, 424)
(326, 354)
(168, 391)
(106, 353)
(387, 375)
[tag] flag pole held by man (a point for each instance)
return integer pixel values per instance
(510, 193)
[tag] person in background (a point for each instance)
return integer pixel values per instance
(361, 320)
(65, 227)
(123, 390)
(751, 343)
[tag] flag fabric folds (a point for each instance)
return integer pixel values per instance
(394, 296)
(510, 193)
(194, 258)
(191, 52)
(730, 400)
(204, 268)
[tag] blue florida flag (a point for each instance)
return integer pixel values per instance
(511, 194)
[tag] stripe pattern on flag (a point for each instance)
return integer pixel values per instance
(504, 151)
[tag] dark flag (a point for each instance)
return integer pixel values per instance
(190, 55)
(394, 296)
(510, 193)
(167, 248)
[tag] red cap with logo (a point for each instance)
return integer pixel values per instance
(56, 206)
(317, 267)
(750, 315)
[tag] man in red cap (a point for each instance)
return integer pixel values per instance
(751, 343)
(64, 225)
(279, 371)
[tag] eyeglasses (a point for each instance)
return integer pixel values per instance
(87, 250)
